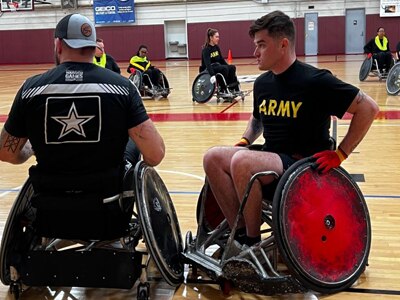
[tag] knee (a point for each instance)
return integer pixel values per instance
(211, 159)
(240, 165)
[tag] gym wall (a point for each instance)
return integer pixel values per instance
(27, 37)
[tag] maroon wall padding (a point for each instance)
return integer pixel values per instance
(299, 24)
(122, 42)
(27, 46)
(233, 36)
(331, 35)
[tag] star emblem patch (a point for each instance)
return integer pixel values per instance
(73, 119)
(73, 122)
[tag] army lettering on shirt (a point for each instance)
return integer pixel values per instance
(280, 108)
(214, 54)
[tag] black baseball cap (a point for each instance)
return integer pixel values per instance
(77, 31)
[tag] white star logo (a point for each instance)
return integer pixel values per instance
(73, 122)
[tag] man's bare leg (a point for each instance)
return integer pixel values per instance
(217, 165)
(244, 165)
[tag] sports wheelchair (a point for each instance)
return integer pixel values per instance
(149, 89)
(203, 90)
(393, 80)
(316, 236)
(369, 67)
(92, 242)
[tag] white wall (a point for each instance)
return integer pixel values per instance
(157, 11)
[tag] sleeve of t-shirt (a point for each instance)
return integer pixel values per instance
(15, 124)
(136, 111)
(207, 61)
(221, 58)
(338, 95)
(256, 85)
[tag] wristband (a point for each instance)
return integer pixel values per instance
(341, 154)
(244, 140)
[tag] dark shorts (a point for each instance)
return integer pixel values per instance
(287, 161)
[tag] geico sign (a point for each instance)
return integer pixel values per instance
(106, 8)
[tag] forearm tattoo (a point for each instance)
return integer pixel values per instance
(11, 143)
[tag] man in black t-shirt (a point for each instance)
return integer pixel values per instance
(77, 117)
(293, 105)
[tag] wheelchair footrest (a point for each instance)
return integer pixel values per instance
(247, 278)
(97, 268)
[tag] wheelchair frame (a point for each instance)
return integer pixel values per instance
(283, 262)
(203, 90)
(23, 253)
(393, 80)
(151, 91)
(369, 67)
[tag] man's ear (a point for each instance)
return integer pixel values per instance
(284, 43)
(58, 45)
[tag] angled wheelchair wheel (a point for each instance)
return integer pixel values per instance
(202, 88)
(365, 69)
(321, 226)
(18, 232)
(208, 211)
(393, 80)
(137, 80)
(165, 91)
(159, 223)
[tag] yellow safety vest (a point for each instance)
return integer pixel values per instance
(140, 63)
(102, 62)
(379, 45)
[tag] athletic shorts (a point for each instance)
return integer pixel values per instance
(268, 190)
(287, 161)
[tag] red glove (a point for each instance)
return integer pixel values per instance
(243, 142)
(329, 159)
(369, 55)
(133, 70)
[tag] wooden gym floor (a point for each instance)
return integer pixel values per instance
(189, 129)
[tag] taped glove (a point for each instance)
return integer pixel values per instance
(243, 142)
(213, 79)
(329, 159)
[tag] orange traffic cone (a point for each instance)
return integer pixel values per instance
(229, 56)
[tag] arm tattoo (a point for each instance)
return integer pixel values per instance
(361, 96)
(11, 143)
(139, 134)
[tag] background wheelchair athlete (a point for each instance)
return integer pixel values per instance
(215, 73)
(148, 79)
(379, 59)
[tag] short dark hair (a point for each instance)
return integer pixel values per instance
(277, 24)
(98, 40)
